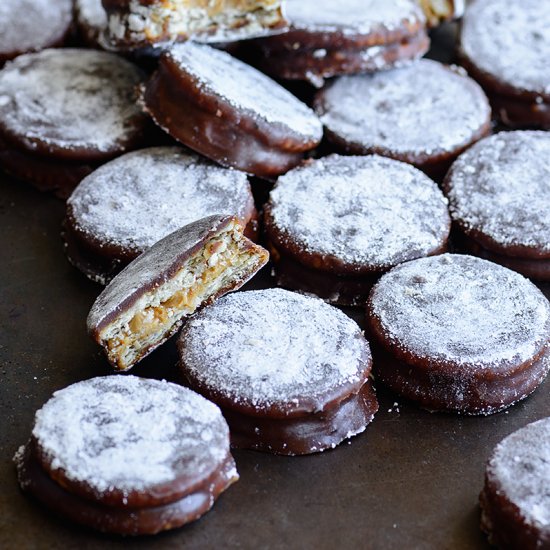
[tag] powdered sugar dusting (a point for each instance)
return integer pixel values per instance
(130, 433)
(520, 465)
(352, 16)
(92, 15)
(136, 200)
(423, 108)
(501, 188)
(246, 88)
(510, 39)
(366, 211)
(27, 25)
(70, 99)
(462, 310)
(273, 347)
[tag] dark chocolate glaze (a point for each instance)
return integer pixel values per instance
(119, 520)
(307, 434)
(217, 129)
(309, 65)
(441, 387)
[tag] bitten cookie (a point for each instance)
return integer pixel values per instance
(137, 23)
(127, 455)
(337, 224)
(146, 303)
(457, 333)
(499, 193)
(425, 114)
(229, 111)
(289, 371)
(32, 25)
(64, 112)
(129, 204)
(515, 502)
(505, 46)
(328, 38)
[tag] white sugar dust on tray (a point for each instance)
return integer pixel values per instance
(458, 333)
(130, 203)
(515, 501)
(147, 302)
(290, 372)
(127, 455)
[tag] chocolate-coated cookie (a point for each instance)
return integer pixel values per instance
(129, 204)
(335, 225)
(499, 193)
(289, 371)
(127, 455)
(229, 111)
(425, 114)
(457, 333)
(515, 502)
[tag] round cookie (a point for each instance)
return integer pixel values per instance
(515, 503)
(64, 112)
(505, 46)
(335, 225)
(425, 114)
(329, 38)
(499, 193)
(132, 202)
(457, 333)
(289, 371)
(229, 111)
(127, 455)
(31, 25)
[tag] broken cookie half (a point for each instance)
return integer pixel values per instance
(147, 302)
(136, 23)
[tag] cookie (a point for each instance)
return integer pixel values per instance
(65, 112)
(425, 114)
(329, 38)
(499, 193)
(147, 302)
(229, 111)
(457, 333)
(91, 21)
(137, 23)
(127, 455)
(441, 11)
(130, 203)
(336, 225)
(505, 46)
(515, 503)
(289, 371)
(32, 25)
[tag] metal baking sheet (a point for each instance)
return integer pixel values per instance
(411, 481)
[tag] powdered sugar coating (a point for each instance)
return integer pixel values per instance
(352, 16)
(140, 198)
(421, 109)
(27, 25)
(246, 89)
(463, 311)
(510, 39)
(273, 348)
(520, 467)
(501, 188)
(130, 434)
(91, 15)
(368, 211)
(70, 99)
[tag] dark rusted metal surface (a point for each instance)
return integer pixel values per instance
(410, 481)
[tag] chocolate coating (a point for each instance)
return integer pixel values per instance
(264, 133)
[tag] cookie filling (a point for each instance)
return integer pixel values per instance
(223, 259)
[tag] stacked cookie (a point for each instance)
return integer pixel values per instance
(355, 218)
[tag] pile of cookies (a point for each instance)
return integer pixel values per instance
(395, 188)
